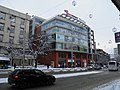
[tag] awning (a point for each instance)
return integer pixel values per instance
(4, 59)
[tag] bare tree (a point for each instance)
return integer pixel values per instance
(39, 46)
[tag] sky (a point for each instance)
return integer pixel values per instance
(105, 15)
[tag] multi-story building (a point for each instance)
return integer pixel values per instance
(14, 29)
(102, 57)
(72, 41)
(34, 22)
(116, 52)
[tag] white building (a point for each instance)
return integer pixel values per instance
(14, 27)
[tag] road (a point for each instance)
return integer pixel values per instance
(85, 82)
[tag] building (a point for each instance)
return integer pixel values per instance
(116, 52)
(14, 29)
(72, 42)
(34, 22)
(102, 57)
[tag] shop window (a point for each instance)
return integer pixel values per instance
(62, 55)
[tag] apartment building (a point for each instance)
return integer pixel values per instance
(14, 29)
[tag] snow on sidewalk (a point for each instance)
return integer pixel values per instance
(4, 80)
(76, 74)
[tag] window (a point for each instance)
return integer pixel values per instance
(38, 21)
(1, 37)
(62, 55)
(11, 39)
(21, 31)
(1, 26)
(60, 37)
(20, 40)
(22, 21)
(38, 72)
(12, 18)
(2, 15)
(12, 30)
(59, 45)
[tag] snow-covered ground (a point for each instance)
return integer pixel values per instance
(114, 85)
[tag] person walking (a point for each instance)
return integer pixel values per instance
(14, 65)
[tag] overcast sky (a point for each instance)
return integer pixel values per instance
(105, 15)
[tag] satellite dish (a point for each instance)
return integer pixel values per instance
(74, 3)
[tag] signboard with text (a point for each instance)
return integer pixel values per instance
(117, 37)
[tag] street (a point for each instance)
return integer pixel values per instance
(83, 82)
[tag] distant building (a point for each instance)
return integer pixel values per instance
(115, 52)
(34, 22)
(14, 27)
(72, 42)
(102, 57)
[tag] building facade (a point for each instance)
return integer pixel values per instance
(72, 42)
(14, 29)
(34, 22)
(102, 57)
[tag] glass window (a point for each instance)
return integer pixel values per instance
(22, 21)
(59, 45)
(1, 37)
(2, 15)
(12, 18)
(60, 37)
(21, 40)
(1, 26)
(12, 29)
(21, 31)
(38, 21)
(11, 39)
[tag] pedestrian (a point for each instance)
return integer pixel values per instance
(14, 65)
(47, 66)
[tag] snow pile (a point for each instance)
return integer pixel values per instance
(76, 74)
(114, 85)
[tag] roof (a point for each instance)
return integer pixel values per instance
(4, 59)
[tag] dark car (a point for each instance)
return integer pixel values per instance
(23, 78)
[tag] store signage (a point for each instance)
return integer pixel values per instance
(74, 17)
(117, 37)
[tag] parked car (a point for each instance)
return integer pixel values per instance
(23, 78)
(97, 67)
